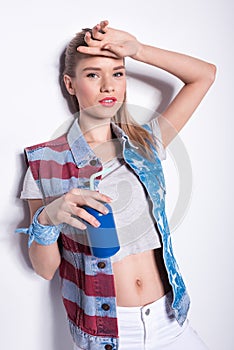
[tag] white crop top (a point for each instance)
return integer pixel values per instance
(132, 209)
(135, 225)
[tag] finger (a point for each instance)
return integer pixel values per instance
(90, 41)
(81, 213)
(96, 51)
(88, 38)
(115, 50)
(75, 221)
(103, 25)
(97, 205)
(94, 194)
(97, 32)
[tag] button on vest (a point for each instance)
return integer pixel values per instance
(106, 307)
(108, 347)
(101, 264)
(93, 162)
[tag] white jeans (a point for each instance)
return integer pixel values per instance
(154, 327)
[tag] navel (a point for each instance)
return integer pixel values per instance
(138, 282)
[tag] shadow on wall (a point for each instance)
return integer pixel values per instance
(62, 339)
(166, 89)
(23, 239)
(60, 332)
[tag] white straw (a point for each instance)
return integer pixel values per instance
(92, 177)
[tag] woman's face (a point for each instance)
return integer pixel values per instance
(99, 85)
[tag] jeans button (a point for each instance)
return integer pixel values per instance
(147, 312)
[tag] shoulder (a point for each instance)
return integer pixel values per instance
(52, 150)
(147, 126)
(59, 143)
(154, 129)
(47, 159)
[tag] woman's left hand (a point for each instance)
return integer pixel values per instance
(109, 42)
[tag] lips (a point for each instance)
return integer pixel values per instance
(108, 101)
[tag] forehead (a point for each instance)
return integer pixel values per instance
(101, 62)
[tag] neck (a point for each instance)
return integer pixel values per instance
(97, 130)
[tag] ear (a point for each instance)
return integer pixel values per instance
(69, 84)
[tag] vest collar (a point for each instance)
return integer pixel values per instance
(81, 151)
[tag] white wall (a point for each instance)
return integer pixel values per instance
(33, 34)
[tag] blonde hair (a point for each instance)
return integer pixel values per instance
(136, 133)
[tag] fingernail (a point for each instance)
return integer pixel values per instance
(97, 223)
(106, 211)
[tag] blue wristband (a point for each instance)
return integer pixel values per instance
(42, 234)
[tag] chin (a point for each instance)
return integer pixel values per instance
(100, 112)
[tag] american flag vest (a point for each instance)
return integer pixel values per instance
(87, 282)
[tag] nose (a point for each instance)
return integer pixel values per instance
(107, 85)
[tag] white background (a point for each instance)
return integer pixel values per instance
(32, 36)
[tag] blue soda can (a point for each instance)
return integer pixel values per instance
(103, 240)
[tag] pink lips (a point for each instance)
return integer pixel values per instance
(108, 101)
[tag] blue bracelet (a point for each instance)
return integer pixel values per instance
(42, 234)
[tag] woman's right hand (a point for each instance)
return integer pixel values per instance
(69, 208)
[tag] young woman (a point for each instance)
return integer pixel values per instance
(135, 299)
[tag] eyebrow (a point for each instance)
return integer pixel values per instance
(98, 69)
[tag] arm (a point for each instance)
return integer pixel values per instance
(45, 259)
(197, 75)
(68, 209)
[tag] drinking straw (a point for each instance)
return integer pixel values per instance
(93, 176)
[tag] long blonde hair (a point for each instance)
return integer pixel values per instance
(136, 133)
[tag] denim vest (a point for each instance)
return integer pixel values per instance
(87, 282)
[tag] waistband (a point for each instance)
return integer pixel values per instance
(163, 303)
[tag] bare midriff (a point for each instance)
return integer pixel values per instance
(140, 279)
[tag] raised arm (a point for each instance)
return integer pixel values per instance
(197, 75)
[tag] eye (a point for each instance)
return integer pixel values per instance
(92, 75)
(118, 74)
